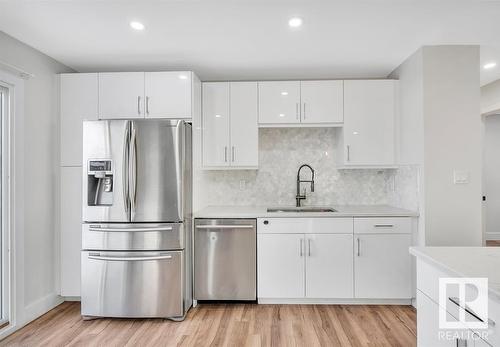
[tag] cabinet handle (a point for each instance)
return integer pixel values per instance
(232, 154)
(357, 241)
(309, 246)
(384, 226)
(225, 154)
(304, 110)
(139, 105)
(301, 246)
(297, 111)
(348, 153)
(147, 105)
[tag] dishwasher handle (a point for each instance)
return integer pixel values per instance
(225, 226)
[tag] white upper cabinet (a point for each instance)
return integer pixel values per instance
(230, 129)
(128, 95)
(168, 94)
(368, 136)
(322, 101)
(216, 124)
(279, 102)
(244, 124)
(121, 95)
(78, 103)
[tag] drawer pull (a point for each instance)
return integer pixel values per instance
(94, 228)
(456, 301)
(384, 225)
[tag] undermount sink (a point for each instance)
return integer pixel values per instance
(301, 209)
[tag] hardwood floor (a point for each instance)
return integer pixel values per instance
(229, 325)
(493, 243)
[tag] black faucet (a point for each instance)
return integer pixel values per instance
(299, 197)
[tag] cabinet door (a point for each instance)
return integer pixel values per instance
(168, 94)
(322, 101)
(382, 266)
(279, 102)
(244, 127)
(71, 226)
(369, 118)
(121, 95)
(280, 266)
(216, 124)
(78, 103)
(329, 266)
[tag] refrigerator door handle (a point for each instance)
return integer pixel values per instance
(130, 229)
(98, 257)
(133, 170)
(125, 166)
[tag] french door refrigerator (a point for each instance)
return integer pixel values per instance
(136, 230)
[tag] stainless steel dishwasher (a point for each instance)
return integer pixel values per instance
(225, 261)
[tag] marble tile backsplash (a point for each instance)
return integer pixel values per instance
(281, 152)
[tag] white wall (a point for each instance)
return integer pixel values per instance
(490, 97)
(41, 148)
(491, 174)
(440, 101)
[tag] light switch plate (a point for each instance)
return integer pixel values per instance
(460, 177)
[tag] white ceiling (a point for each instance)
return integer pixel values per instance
(250, 39)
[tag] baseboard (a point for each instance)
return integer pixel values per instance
(72, 298)
(492, 236)
(40, 307)
(281, 301)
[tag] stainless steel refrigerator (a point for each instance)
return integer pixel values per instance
(137, 218)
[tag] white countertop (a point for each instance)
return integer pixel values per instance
(343, 211)
(465, 262)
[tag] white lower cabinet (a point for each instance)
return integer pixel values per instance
(325, 258)
(71, 224)
(280, 265)
(382, 266)
(329, 266)
(429, 332)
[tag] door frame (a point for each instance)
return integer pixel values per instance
(12, 207)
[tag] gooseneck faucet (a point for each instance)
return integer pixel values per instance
(300, 197)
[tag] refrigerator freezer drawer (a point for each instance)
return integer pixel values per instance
(132, 284)
(133, 237)
(225, 259)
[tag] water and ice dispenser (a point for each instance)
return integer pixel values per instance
(100, 183)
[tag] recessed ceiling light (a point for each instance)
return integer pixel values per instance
(284, 93)
(282, 115)
(218, 116)
(136, 25)
(183, 77)
(295, 22)
(489, 65)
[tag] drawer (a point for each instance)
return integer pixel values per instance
(382, 225)
(133, 237)
(305, 225)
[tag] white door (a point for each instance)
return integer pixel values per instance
(71, 226)
(280, 266)
(121, 95)
(491, 166)
(244, 124)
(215, 119)
(168, 94)
(78, 103)
(369, 118)
(279, 102)
(382, 266)
(329, 266)
(322, 101)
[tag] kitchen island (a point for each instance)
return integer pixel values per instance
(460, 264)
